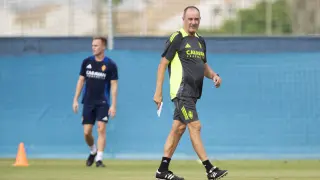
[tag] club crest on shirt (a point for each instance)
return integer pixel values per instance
(104, 67)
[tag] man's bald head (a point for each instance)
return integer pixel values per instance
(191, 19)
(190, 8)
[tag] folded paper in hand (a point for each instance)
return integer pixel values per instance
(160, 109)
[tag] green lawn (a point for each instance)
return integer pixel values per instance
(144, 170)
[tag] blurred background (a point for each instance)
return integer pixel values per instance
(157, 17)
(266, 51)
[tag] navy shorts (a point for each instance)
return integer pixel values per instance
(93, 113)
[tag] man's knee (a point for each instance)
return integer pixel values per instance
(179, 128)
(87, 130)
(194, 126)
(101, 128)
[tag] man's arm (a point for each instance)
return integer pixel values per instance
(208, 72)
(114, 92)
(81, 81)
(79, 87)
(160, 75)
(114, 89)
(172, 46)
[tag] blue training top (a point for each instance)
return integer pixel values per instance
(98, 75)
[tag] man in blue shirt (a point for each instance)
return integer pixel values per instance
(99, 75)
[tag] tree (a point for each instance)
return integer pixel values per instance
(116, 2)
(254, 21)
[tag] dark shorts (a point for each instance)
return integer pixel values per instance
(185, 110)
(91, 113)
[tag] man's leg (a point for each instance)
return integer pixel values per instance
(101, 142)
(102, 116)
(89, 138)
(213, 172)
(194, 127)
(88, 122)
(177, 130)
(171, 144)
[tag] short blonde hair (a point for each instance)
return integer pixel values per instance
(103, 39)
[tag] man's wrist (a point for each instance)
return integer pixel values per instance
(215, 74)
(158, 91)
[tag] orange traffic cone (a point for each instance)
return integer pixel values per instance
(21, 159)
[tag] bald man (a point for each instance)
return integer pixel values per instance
(185, 56)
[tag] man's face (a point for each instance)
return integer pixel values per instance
(97, 47)
(191, 20)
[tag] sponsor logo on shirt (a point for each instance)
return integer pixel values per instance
(95, 75)
(195, 54)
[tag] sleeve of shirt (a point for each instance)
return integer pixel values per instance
(114, 71)
(203, 42)
(172, 46)
(83, 68)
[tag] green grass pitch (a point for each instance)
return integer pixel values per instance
(144, 170)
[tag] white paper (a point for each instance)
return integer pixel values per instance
(160, 109)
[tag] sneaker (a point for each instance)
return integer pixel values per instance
(167, 175)
(90, 159)
(215, 173)
(100, 164)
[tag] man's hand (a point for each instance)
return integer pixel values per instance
(75, 106)
(112, 111)
(157, 99)
(217, 81)
(210, 74)
(79, 87)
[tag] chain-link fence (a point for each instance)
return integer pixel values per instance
(157, 17)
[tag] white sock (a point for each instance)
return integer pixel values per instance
(99, 156)
(93, 149)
